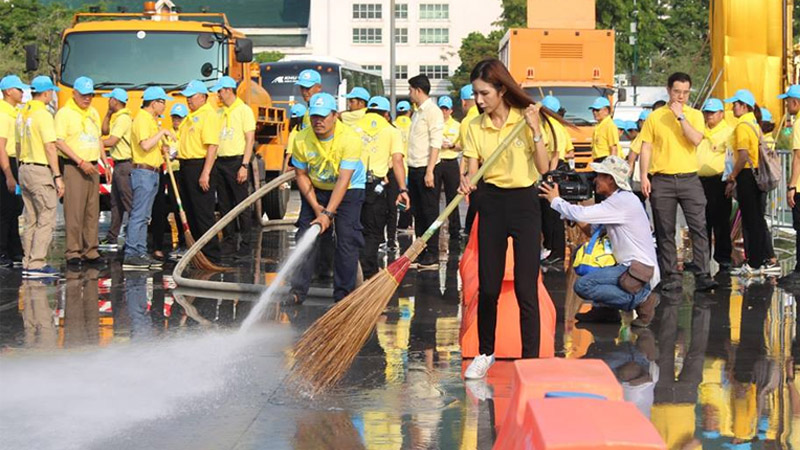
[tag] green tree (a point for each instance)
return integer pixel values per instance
(24, 22)
(266, 57)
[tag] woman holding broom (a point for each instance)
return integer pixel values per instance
(509, 204)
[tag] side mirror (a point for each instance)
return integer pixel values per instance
(622, 95)
(206, 70)
(244, 50)
(31, 58)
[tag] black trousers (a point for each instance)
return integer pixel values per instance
(796, 226)
(165, 203)
(229, 194)
(718, 214)
(392, 191)
(753, 204)
(504, 213)
(199, 205)
(373, 219)
(448, 177)
(10, 210)
(553, 233)
(424, 206)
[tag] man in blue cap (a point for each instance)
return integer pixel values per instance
(331, 181)
(468, 106)
(447, 173)
(233, 165)
(605, 139)
(198, 138)
(309, 81)
(117, 126)
(78, 129)
(10, 244)
(356, 105)
(792, 99)
(403, 219)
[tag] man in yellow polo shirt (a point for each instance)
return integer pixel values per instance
(467, 104)
(448, 172)
(147, 156)
(10, 245)
(401, 219)
(331, 180)
(670, 135)
(117, 126)
(309, 81)
(40, 179)
(78, 133)
(356, 105)
(792, 98)
(605, 139)
(198, 136)
(233, 163)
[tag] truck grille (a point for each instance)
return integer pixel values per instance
(574, 51)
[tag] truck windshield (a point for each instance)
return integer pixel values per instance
(137, 59)
(279, 78)
(575, 100)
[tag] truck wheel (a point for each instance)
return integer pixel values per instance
(276, 201)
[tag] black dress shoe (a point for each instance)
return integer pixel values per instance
(94, 262)
(704, 283)
(599, 314)
(74, 262)
(691, 267)
(671, 284)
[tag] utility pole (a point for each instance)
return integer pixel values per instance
(392, 48)
(634, 41)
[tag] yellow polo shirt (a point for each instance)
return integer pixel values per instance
(636, 144)
(796, 138)
(37, 129)
(8, 127)
(403, 123)
(672, 152)
(606, 135)
(236, 121)
(472, 113)
(291, 138)
(711, 152)
(351, 118)
(746, 138)
(563, 140)
(120, 124)
(80, 130)
(323, 160)
(380, 141)
(198, 130)
(144, 127)
(451, 129)
(515, 168)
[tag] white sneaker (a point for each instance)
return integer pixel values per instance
(771, 269)
(544, 253)
(746, 271)
(479, 389)
(479, 367)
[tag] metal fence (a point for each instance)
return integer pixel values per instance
(779, 216)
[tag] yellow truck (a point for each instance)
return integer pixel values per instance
(134, 51)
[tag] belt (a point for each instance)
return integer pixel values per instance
(33, 164)
(228, 158)
(146, 167)
(122, 161)
(450, 159)
(675, 175)
(189, 161)
(70, 162)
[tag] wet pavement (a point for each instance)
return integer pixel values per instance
(109, 359)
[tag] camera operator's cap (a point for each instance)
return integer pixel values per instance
(551, 103)
(744, 96)
(467, 93)
(12, 82)
(644, 114)
(792, 92)
(600, 103)
(617, 168)
(766, 116)
(298, 110)
(308, 78)
(404, 106)
(712, 105)
(620, 123)
(84, 85)
(179, 109)
(224, 82)
(118, 94)
(379, 103)
(155, 93)
(631, 125)
(321, 104)
(194, 87)
(43, 83)
(359, 93)
(445, 102)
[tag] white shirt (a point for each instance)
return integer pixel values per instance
(626, 224)
(426, 132)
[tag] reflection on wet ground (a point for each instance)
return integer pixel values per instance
(104, 359)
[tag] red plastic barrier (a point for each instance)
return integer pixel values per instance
(508, 343)
(586, 424)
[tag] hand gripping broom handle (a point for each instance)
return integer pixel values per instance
(184, 220)
(419, 244)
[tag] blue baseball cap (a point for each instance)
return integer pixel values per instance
(551, 103)
(12, 82)
(321, 104)
(711, 434)
(297, 110)
(600, 103)
(644, 114)
(118, 94)
(713, 105)
(631, 125)
(359, 93)
(744, 96)
(224, 82)
(43, 83)
(792, 92)
(84, 85)
(445, 102)
(404, 106)
(467, 93)
(619, 123)
(194, 87)
(155, 93)
(766, 116)
(308, 78)
(179, 109)
(379, 103)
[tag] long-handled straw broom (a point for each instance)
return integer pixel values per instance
(200, 260)
(327, 349)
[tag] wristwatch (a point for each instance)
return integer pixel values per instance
(681, 117)
(244, 165)
(791, 188)
(328, 213)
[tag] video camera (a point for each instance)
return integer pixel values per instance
(573, 187)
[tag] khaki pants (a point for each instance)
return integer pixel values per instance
(40, 199)
(81, 213)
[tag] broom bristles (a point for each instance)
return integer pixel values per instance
(200, 260)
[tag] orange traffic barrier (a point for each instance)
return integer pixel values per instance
(586, 424)
(508, 342)
(535, 378)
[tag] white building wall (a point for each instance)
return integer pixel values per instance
(331, 34)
